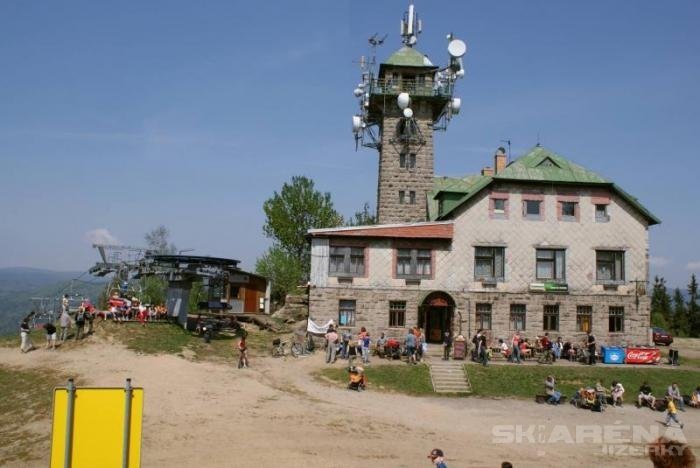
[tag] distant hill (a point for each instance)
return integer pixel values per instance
(18, 285)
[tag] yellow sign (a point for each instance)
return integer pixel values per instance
(98, 428)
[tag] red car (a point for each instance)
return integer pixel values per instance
(661, 336)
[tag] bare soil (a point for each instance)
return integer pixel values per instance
(275, 414)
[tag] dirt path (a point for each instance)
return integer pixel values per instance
(209, 414)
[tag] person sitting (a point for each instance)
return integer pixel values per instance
(616, 392)
(645, 396)
(549, 389)
(505, 349)
(525, 349)
(600, 394)
(675, 393)
(695, 398)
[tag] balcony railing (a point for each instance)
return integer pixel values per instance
(413, 87)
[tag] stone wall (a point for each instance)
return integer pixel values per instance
(372, 312)
(393, 178)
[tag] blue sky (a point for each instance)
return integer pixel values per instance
(125, 115)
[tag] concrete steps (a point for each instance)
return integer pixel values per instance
(449, 376)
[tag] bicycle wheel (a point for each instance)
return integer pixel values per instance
(296, 349)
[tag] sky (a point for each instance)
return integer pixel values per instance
(117, 117)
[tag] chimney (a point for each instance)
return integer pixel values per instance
(487, 171)
(499, 160)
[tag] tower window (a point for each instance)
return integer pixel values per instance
(407, 160)
(402, 197)
(412, 197)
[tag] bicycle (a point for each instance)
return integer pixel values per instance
(305, 346)
(278, 348)
(546, 357)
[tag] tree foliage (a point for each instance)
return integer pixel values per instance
(290, 213)
(364, 217)
(693, 309)
(660, 304)
(679, 322)
(158, 241)
(283, 269)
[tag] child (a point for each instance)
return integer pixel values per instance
(243, 354)
(50, 335)
(365, 348)
(671, 411)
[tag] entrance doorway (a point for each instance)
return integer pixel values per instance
(435, 316)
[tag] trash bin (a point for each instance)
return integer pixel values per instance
(613, 354)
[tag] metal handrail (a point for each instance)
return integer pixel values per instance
(412, 87)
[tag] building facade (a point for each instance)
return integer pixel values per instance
(540, 245)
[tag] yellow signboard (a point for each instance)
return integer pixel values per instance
(105, 427)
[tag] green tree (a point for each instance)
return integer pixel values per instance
(364, 217)
(158, 241)
(660, 304)
(153, 290)
(292, 212)
(198, 294)
(679, 322)
(282, 269)
(693, 309)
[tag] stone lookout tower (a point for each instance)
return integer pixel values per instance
(401, 107)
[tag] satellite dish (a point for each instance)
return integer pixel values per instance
(408, 113)
(357, 92)
(356, 123)
(456, 105)
(403, 100)
(457, 48)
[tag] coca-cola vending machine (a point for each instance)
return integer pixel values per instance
(642, 356)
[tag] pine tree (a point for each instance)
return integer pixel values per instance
(660, 304)
(693, 309)
(679, 322)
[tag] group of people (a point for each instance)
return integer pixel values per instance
(123, 309)
(597, 396)
(346, 346)
(82, 320)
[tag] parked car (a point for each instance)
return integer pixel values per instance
(661, 336)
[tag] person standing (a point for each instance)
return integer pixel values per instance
(331, 345)
(410, 343)
(671, 412)
(446, 346)
(379, 346)
(64, 322)
(515, 343)
(345, 349)
(242, 353)
(437, 457)
(591, 348)
(50, 329)
(65, 303)
(26, 342)
(79, 323)
(365, 348)
(483, 351)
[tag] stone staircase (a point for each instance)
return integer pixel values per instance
(447, 376)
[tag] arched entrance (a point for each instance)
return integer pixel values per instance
(435, 315)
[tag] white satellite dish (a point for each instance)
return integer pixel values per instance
(456, 105)
(358, 92)
(356, 123)
(403, 100)
(457, 48)
(408, 113)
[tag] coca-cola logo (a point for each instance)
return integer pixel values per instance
(641, 355)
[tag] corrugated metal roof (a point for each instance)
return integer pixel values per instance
(537, 166)
(435, 230)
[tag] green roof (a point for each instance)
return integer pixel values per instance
(539, 165)
(408, 57)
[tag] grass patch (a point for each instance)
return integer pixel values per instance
(411, 380)
(27, 396)
(527, 381)
(170, 338)
(10, 341)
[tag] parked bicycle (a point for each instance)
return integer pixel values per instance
(546, 357)
(303, 345)
(278, 348)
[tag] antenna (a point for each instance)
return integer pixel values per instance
(411, 26)
(509, 156)
(538, 140)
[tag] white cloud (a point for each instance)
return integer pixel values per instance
(101, 236)
(658, 261)
(693, 265)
